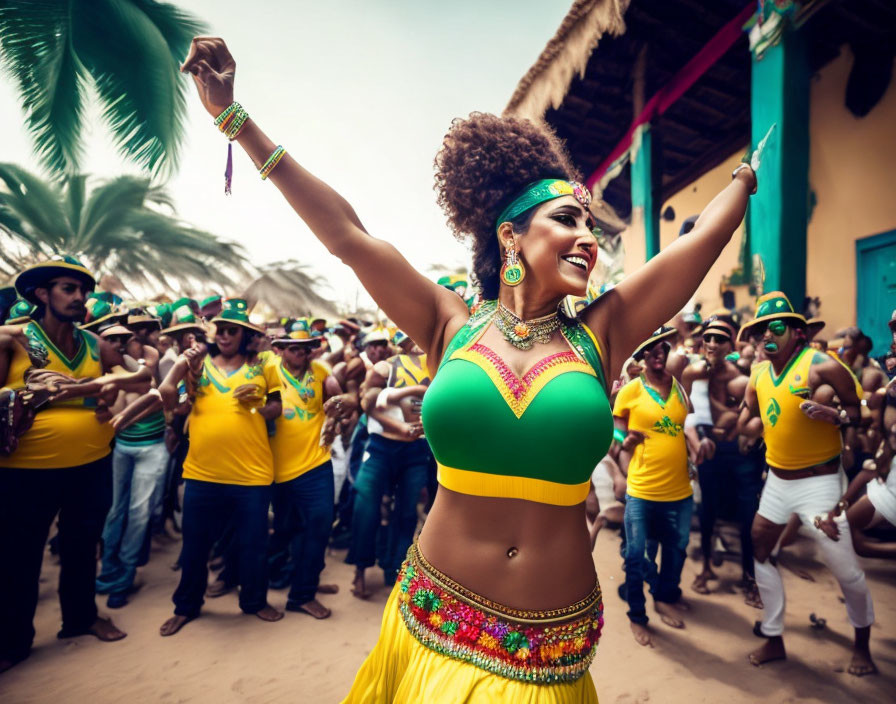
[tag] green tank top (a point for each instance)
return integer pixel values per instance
(538, 437)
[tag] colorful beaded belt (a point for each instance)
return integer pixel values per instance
(532, 646)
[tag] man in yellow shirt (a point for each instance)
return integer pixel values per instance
(229, 468)
(303, 473)
(803, 447)
(651, 411)
(62, 463)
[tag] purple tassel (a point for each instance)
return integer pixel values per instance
(228, 172)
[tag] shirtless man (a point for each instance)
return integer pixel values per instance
(716, 387)
(803, 447)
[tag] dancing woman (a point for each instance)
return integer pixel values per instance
(500, 596)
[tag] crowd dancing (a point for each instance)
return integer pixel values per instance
(459, 445)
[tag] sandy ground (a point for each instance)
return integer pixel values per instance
(229, 657)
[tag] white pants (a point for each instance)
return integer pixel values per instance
(808, 498)
(339, 456)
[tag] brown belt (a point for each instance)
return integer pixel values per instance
(817, 471)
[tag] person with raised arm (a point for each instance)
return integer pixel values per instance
(498, 600)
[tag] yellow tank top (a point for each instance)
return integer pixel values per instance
(65, 434)
(792, 440)
(406, 370)
(228, 442)
(296, 444)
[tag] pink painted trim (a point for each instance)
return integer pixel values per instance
(518, 387)
(687, 76)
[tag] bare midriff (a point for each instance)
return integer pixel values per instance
(471, 538)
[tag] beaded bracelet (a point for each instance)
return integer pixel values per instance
(231, 121)
(272, 161)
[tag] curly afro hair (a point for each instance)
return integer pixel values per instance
(483, 162)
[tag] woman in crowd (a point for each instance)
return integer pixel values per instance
(499, 600)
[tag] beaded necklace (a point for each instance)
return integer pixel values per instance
(522, 334)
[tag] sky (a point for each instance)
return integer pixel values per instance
(361, 93)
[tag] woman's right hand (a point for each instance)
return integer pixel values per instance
(213, 69)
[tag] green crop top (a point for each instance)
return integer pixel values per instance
(538, 437)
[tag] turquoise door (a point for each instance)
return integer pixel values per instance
(876, 287)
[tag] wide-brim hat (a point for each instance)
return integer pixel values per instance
(663, 333)
(115, 329)
(375, 335)
(39, 274)
(298, 337)
(771, 306)
(236, 311)
(143, 319)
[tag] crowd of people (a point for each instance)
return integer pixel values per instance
(262, 444)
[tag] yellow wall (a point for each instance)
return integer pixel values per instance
(852, 169)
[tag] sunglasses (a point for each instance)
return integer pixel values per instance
(718, 339)
(232, 331)
(777, 327)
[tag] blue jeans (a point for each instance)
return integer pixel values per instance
(138, 483)
(730, 484)
(668, 523)
(208, 507)
(308, 500)
(387, 464)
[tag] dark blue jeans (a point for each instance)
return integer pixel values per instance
(208, 507)
(29, 501)
(308, 500)
(730, 484)
(387, 464)
(668, 523)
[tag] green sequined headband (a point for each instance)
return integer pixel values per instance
(541, 191)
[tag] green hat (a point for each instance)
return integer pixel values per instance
(208, 301)
(771, 306)
(181, 317)
(40, 274)
(236, 311)
(99, 311)
(662, 333)
(20, 312)
(300, 334)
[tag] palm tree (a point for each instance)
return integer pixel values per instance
(127, 50)
(125, 226)
(287, 288)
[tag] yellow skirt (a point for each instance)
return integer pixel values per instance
(401, 670)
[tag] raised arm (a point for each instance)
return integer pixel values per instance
(654, 293)
(417, 305)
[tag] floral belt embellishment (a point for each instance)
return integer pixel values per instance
(526, 651)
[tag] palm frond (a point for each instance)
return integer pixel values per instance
(38, 54)
(35, 203)
(135, 69)
(289, 288)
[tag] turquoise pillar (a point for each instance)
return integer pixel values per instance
(642, 189)
(779, 211)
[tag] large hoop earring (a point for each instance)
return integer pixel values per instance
(512, 272)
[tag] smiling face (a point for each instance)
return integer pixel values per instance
(716, 346)
(228, 338)
(558, 248)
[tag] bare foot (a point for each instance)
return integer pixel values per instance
(269, 613)
(641, 634)
(313, 608)
(752, 597)
(668, 615)
(862, 664)
(359, 586)
(681, 605)
(327, 588)
(699, 584)
(772, 649)
(173, 625)
(105, 630)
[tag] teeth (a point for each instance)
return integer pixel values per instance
(578, 261)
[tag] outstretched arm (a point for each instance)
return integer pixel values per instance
(419, 306)
(654, 293)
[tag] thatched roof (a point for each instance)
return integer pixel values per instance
(546, 83)
(288, 289)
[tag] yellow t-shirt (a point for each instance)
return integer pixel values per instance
(658, 470)
(296, 444)
(228, 442)
(792, 440)
(65, 434)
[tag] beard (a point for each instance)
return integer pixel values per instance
(69, 315)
